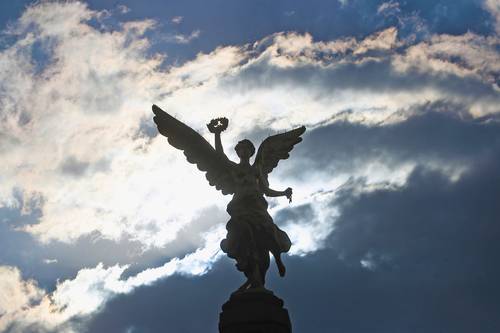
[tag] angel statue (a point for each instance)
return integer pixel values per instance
(251, 232)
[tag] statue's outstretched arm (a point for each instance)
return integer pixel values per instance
(273, 193)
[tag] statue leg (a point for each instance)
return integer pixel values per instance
(249, 272)
(254, 271)
(256, 281)
(279, 263)
(244, 286)
(264, 265)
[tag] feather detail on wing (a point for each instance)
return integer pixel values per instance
(197, 150)
(275, 148)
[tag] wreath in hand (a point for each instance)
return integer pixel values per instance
(218, 125)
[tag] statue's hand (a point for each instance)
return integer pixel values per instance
(288, 193)
(218, 125)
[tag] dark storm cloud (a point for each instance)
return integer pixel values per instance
(187, 240)
(296, 214)
(368, 76)
(20, 249)
(432, 246)
(177, 304)
(438, 132)
(24, 251)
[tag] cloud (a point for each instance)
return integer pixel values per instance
(425, 248)
(74, 167)
(93, 95)
(319, 222)
(84, 166)
(493, 7)
(16, 292)
(379, 72)
(343, 2)
(123, 9)
(420, 241)
(22, 250)
(465, 55)
(50, 261)
(82, 88)
(389, 6)
(174, 306)
(177, 19)
(181, 38)
(452, 141)
(25, 306)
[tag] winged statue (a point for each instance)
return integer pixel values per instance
(251, 232)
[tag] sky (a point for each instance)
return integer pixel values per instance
(395, 219)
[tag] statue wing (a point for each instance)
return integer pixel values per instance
(275, 148)
(197, 150)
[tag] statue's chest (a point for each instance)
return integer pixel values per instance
(246, 176)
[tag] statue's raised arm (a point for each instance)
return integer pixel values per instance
(197, 150)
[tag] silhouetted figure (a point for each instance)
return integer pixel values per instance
(251, 232)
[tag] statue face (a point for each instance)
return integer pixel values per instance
(244, 153)
(244, 149)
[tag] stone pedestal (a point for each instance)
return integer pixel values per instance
(254, 312)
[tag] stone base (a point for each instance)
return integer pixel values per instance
(254, 311)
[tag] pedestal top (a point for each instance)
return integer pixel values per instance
(254, 311)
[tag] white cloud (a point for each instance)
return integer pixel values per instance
(183, 39)
(16, 293)
(50, 261)
(389, 7)
(87, 105)
(383, 40)
(23, 303)
(309, 236)
(463, 55)
(123, 9)
(493, 6)
(343, 2)
(177, 19)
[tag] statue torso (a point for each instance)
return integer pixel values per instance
(248, 199)
(247, 180)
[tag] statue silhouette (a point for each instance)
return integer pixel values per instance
(251, 232)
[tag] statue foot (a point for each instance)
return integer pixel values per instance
(251, 286)
(244, 286)
(281, 267)
(256, 285)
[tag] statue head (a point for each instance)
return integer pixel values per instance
(245, 149)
